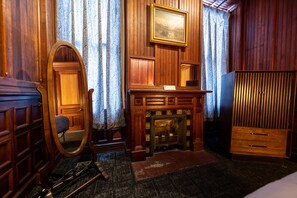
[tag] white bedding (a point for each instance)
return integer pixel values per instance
(282, 188)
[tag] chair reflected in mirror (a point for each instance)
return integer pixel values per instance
(62, 123)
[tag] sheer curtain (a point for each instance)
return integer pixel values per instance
(94, 27)
(214, 58)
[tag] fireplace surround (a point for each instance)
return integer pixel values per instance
(146, 102)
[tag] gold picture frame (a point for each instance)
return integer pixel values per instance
(168, 25)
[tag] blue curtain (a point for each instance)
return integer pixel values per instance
(214, 58)
(94, 27)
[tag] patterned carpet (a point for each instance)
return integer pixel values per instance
(225, 178)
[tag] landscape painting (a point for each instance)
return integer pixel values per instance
(168, 25)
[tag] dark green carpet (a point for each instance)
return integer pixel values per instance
(227, 178)
(223, 179)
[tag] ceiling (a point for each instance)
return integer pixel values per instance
(225, 5)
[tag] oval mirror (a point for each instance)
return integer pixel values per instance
(67, 99)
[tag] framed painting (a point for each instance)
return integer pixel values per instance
(168, 25)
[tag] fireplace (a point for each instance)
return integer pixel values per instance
(167, 131)
(145, 103)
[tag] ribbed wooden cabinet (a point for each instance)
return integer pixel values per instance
(256, 112)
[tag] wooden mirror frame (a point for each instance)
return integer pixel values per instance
(51, 99)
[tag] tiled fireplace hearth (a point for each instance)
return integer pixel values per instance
(150, 105)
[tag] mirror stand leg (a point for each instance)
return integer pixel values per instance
(72, 175)
(101, 170)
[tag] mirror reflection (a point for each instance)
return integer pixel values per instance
(66, 78)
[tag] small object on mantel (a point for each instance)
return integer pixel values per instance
(191, 83)
(169, 87)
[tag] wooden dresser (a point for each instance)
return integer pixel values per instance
(257, 111)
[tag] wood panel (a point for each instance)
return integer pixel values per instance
(21, 134)
(142, 72)
(286, 35)
(259, 34)
(166, 65)
(235, 38)
(21, 36)
(137, 23)
(167, 58)
(26, 35)
(192, 53)
(6, 154)
(263, 35)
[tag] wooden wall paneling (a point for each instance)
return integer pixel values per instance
(236, 39)
(286, 34)
(25, 132)
(22, 143)
(6, 26)
(6, 154)
(137, 23)
(6, 182)
(37, 141)
(170, 3)
(26, 35)
(21, 39)
(21, 115)
(137, 39)
(167, 57)
(2, 42)
(37, 136)
(29, 27)
(167, 64)
(268, 35)
(192, 53)
(142, 72)
(260, 25)
(23, 170)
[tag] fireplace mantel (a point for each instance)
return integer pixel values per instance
(143, 102)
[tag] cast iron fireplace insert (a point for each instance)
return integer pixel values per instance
(167, 131)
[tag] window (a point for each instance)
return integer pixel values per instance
(94, 27)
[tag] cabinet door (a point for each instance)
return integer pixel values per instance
(276, 99)
(246, 104)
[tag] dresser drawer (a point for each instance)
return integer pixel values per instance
(259, 134)
(257, 141)
(257, 148)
